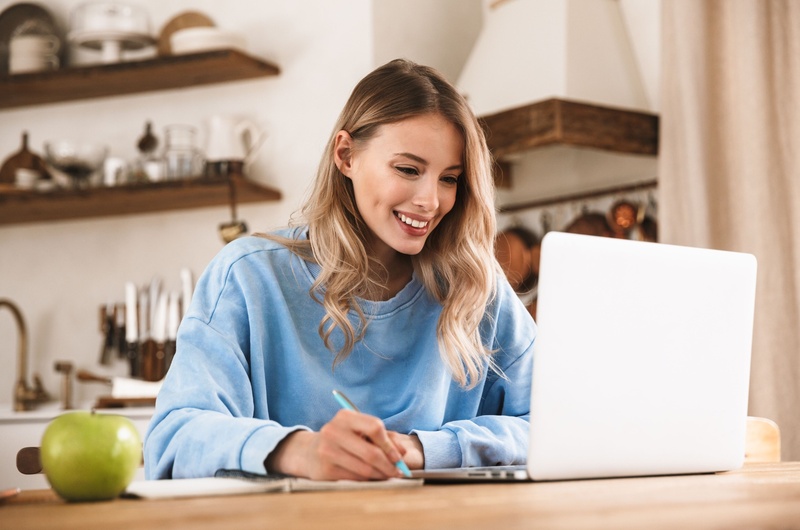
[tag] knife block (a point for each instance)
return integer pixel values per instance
(154, 360)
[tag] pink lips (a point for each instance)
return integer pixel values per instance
(409, 229)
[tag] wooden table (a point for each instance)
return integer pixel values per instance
(758, 496)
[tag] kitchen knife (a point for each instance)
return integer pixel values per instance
(155, 291)
(132, 330)
(159, 331)
(186, 290)
(131, 314)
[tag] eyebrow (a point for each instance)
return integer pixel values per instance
(425, 162)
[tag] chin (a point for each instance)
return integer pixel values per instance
(410, 250)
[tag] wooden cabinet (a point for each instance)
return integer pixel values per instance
(161, 73)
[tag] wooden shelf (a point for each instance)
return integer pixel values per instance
(132, 77)
(18, 207)
(559, 121)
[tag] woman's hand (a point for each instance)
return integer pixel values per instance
(411, 448)
(352, 446)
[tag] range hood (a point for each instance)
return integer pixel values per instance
(565, 74)
(534, 50)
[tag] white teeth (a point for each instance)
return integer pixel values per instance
(412, 222)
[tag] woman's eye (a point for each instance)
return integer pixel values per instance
(450, 180)
(407, 170)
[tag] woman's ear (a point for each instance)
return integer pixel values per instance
(342, 152)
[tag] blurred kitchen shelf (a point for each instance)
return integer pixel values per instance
(19, 206)
(131, 77)
(559, 121)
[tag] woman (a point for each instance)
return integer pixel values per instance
(389, 292)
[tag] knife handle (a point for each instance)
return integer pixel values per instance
(85, 375)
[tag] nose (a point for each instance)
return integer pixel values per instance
(426, 195)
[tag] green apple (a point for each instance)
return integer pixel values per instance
(90, 457)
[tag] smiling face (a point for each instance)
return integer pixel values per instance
(404, 179)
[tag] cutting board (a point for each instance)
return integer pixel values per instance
(108, 402)
(187, 19)
(23, 158)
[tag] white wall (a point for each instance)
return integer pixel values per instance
(439, 33)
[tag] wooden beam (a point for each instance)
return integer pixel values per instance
(559, 121)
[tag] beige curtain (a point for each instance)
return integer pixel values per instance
(729, 168)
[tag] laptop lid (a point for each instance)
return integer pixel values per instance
(642, 359)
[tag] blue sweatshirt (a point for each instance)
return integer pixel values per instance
(250, 369)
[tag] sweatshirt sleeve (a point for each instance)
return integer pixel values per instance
(204, 413)
(498, 433)
(206, 417)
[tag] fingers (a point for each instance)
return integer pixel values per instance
(336, 465)
(399, 442)
(373, 428)
(366, 437)
(357, 446)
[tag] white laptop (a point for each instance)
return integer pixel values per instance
(641, 362)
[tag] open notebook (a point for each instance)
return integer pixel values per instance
(641, 362)
(235, 482)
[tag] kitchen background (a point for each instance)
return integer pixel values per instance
(501, 53)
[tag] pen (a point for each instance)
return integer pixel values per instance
(347, 404)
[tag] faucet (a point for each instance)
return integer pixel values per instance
(65, 368)
(25, 397)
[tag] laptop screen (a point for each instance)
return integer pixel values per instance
(642, 359)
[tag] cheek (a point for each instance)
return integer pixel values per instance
(389, 192)
(447, 200)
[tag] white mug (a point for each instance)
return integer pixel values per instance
(18, 64)
(115, 171)
(232, 138)
(25, 45)
(26, 178)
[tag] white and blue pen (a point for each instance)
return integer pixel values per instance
(347, 404)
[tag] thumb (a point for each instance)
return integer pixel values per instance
(398, 441)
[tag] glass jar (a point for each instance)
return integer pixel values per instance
(182, 158)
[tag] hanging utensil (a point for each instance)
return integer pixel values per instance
(108, 351)
(234, 228)
(592, 224)
(646, 226)
(623, 217)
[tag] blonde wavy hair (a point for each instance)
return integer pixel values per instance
(457, 264)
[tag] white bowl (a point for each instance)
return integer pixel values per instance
(193, 40)
(78, 160)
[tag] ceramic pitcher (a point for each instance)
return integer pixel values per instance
(232, 138)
